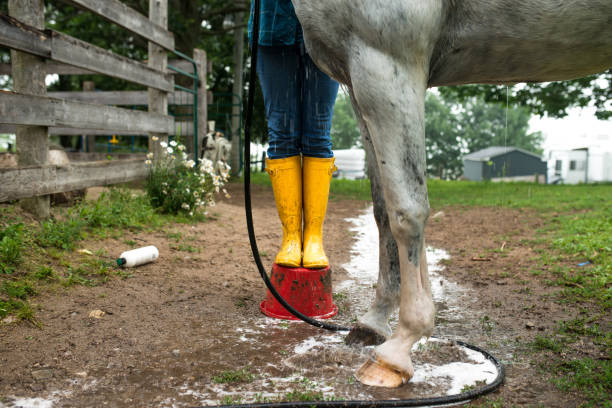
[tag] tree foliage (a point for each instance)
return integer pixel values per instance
(455, 127)
(549, 98)
(345, 131)
(443, 142)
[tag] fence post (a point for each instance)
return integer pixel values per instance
(237, 90)
(89, 140)
(158, 59)
(29, 74)
(200, 58)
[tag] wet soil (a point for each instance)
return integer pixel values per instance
(172, 329)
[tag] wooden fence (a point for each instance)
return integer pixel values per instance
(32, 114)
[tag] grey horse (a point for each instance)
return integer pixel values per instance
(387, 53)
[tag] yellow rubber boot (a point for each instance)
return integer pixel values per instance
(317, 174)
(286, 177)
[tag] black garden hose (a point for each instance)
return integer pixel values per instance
(462, 397)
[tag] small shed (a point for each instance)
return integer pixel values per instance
(504, 163)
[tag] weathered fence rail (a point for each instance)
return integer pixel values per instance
(30, 181)
(71, 51)
(32, 114)
(53, 67)
(120, 14)
(21, 109)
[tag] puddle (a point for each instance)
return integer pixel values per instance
(449, 297)
(260, 359)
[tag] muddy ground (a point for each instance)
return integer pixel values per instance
(172, 329)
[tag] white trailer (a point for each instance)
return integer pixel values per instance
(584, 165)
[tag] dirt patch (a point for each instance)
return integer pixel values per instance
(175, 325)
(440, 353)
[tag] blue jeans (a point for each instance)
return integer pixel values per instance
(299, 101)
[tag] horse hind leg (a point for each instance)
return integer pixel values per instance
(372, 327)
(391, 97)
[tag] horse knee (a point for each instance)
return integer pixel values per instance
(408, 224)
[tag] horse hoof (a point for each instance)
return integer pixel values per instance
(378, 375)
(363, 336)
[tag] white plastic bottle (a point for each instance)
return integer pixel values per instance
(138, 256)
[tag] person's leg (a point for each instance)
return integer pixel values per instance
(318, 97)
(277, 70)
(319, 93)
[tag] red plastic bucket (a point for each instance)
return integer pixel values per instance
(309, 291)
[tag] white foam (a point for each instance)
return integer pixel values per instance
(459, 374)
(363, 265)
(29, 403)
(318, 340)
(306, 345)
(37, 402)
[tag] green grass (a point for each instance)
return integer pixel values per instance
(542, 343)
(303, 396)
(19, 289)
(36, 257)
(60, 234)
(119, 208)
(588, 376)
(555, 198)
(11, 244)
(242, 375)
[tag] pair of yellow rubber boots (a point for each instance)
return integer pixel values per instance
(301, 183)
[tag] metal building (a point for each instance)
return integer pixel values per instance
(498, 163)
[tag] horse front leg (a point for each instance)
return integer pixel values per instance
(391, 98)
(372, 327)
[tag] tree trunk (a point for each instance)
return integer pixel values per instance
(237, 91)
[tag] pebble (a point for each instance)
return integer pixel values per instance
(81, 374)
(96, 314)
(439, 214)
(36, 387)
(530, 325)
(9, 320)
(43, 374)
(176, 352)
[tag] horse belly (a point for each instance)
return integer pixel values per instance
(534, 40)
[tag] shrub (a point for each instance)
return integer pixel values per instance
(9, 306)
(116, 208)
(18, 289)
(60, 234)
(176, 185)
(44, 273)
(11, 243)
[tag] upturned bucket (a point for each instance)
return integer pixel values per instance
(309, 291)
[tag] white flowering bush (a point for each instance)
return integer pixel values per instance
(176, 185)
